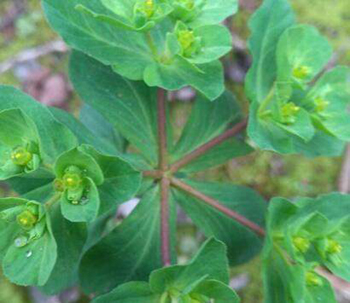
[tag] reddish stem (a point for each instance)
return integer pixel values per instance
(165, 231)
(205, 147)
(217, 205)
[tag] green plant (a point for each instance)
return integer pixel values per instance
(72, 174)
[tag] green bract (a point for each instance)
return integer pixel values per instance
(288, 114)
(137, 15)
(138, 39)
(28, 249)
(19, 144)
(191, 283)
(302, 236)
(83, 175)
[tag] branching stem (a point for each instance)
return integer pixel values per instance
(164, 181)
(217, 205)
(205, 147)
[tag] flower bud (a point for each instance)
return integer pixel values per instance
(72, 178)
(27, 220)
(312, 279)
(301, 244)
(289, 111)
(301, 72)
(147, 8)
(333, 247)
(320, 104)
(20, 156)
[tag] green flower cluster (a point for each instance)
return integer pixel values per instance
(166, 43)
(304, 238)
(190, 283)
(59, 180)
(303, 109)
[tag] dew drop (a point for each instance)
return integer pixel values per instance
(74, 202)
(21, 241)
(29, 253)
(84, 200)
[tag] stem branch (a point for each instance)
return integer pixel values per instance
(205, 147)
(217, 205)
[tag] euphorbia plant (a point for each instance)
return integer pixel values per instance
(72, 175)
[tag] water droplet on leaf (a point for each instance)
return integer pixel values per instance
(29, 253)
(21, 241)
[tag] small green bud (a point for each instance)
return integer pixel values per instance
(20, 156)
(312, 279)
(301, 244)
(186, 38)
(27, 220)
(320, 104)
(301, 72)
(289, 111)
(189, 4)
(333, 247)
(72, 178)
(146, 7)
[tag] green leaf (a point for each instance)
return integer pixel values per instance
(130, 252)
(218, 155)
(217, 115)
(302, 53)
(242, 243)
(206, 78)
(302, 127)
(86, 211)
(218, 291)
(70, 238)
(55, 138)
(121, 180)
(129, 106)
(332, 90)
(133, 55)
(179, 277)
(132, 292)
(267, 27)
(32, 263)
(269, 136)
(214, 12)
(77, 157)
(83, 134)
(215, 41)
(101, 128)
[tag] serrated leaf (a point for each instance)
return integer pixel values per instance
(242, 243)
(267, 27)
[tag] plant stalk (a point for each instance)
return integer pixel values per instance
(165, 231)
(217, 205)
(209, 145)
